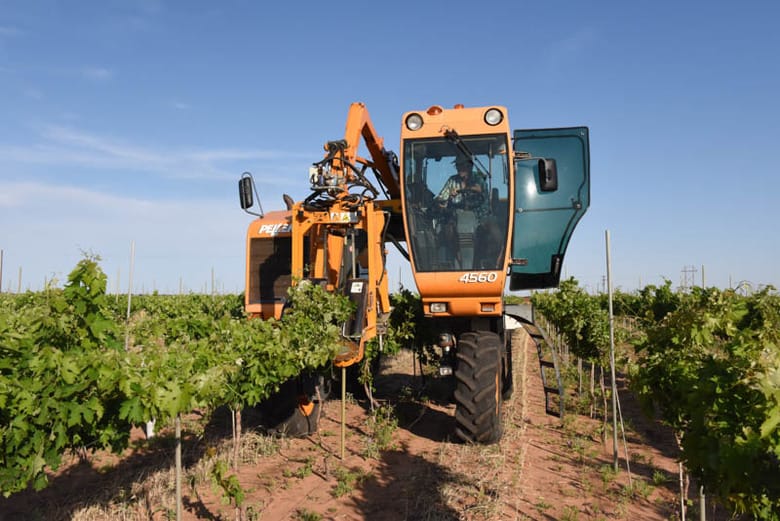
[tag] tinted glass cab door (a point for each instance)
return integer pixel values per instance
(546, 213)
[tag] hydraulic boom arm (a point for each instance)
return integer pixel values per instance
(382, 161)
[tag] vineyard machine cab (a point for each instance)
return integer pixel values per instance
(509, 212)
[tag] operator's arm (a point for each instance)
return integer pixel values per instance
(477, 184)
(449, 190)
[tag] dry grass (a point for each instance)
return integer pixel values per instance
(142, 500)
(152, 495)
(481, 488)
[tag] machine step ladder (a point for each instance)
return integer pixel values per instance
(549, 368)
(552, 382)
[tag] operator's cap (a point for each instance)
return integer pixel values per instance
(462, 160)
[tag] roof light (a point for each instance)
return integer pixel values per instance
(414, 121)
(493, 117)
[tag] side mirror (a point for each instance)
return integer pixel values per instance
(548, 175)
(246, 186)
(245, 192)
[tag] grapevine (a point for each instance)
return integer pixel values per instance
(67, 382)
(708, 362)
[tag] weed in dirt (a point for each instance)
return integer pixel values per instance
(567, 491)
(582, 404)
(307, 468)
(556, 458)
(270, 483)
(228, 484)
(254, 514)
(570, 513)
(569, 424)
(587, 486)
(201, 472)
(578, 446)
(301, 472)
(542, 505)
(621, 509)
(608, 474)
(347, 480)
(642, 489)
(380, 425)
(660, 478)
(598, 432)
(303, 514)
(254, 446)
(640, 459)
(622, 497)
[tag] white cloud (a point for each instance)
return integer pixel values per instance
(66, 146)
(230, 154)
(103, 146)
(45, 227)
(97, 73)
(14, 195)
(179, 105)
(7, 31)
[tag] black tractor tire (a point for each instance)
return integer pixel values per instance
(295, 410)
(478, 387)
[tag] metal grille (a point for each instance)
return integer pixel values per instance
(269, 269)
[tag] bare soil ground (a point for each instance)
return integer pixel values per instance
(543, 468)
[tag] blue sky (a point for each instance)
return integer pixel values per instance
(131, 121)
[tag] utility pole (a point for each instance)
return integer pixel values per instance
(1, 271)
